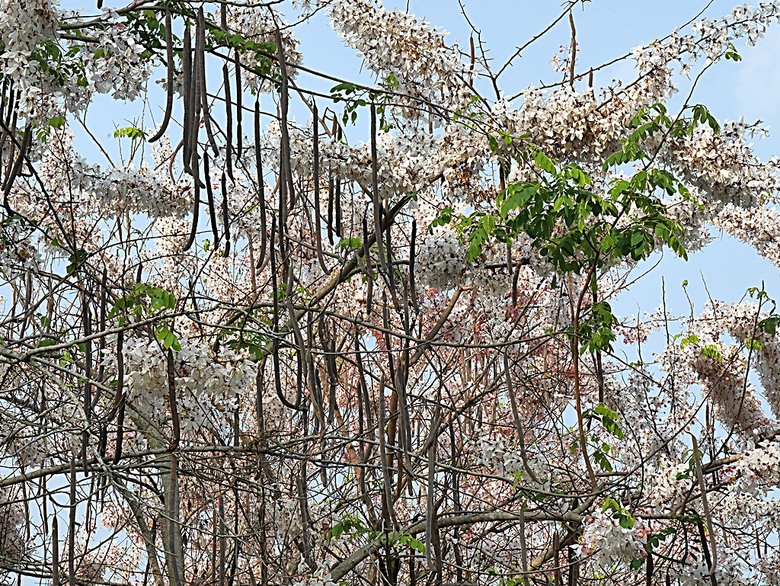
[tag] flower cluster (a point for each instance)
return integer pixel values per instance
(12, 516)
(758, 226)
(24, 28)
(418, 65)
(711, 39)
(671, 483)
(116, 65)
(722, 369)
(259, 23)
(111, 191)
(607, 542)
(206, 384)
(696, 572)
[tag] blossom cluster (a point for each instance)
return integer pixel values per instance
(711, 39)
(12, 516)
(259, 23)
(607, 542)
(395, 43)
(206, 384)
(24, 28)
(722, 368)
(116, 65)
(52, 76)
(109, 191)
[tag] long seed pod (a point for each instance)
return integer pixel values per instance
(259, 388)
(197, 88)
(196, 205)
(285, 170)
(3, 94)
(388, 511)
(315, 386)
(174, 443)
(119, 400)
(11, 159)
(221, 531)
(337, 193)
(412, 262)
(376, 199)
(187, 98)
(17, 168)
(260, 188)
(228, 102)
(282, 185)
(317, 214)
(72, 526)
(228, 120)
(331, 192)
(210, 197)
(239, 104)
(225, 215)
(369, 270)
(55, 553)
(102, 316)
(276, 332)
(301, 351)
(274, 282)
(10, 114)
(169, 77)
(649, 569)
(203, 96)
(329, 348)
(431, 527)
(87, 329)
(390, 273)
(362, 381)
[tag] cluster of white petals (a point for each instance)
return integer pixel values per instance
(115, 64)
(12, 517)
(112, 191)
(721, 368)
(259, 23)
(393, 42)
(24, 28)
(607, 542)
(710, 39)
(206, 384)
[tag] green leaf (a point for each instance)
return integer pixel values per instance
(75, 261)
(57, 122)
(168, 339)
(130, 132)
(602, 460)
(544, 163)
(712, 351)
(353, 243)
(411, 542)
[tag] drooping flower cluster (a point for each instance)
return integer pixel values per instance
(408, 54)
(24, 29)
(259, 23)
(115, 64)
(722, 368)
(207, 385)
(607, 542)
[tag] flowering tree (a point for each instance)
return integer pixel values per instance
(376, 346)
